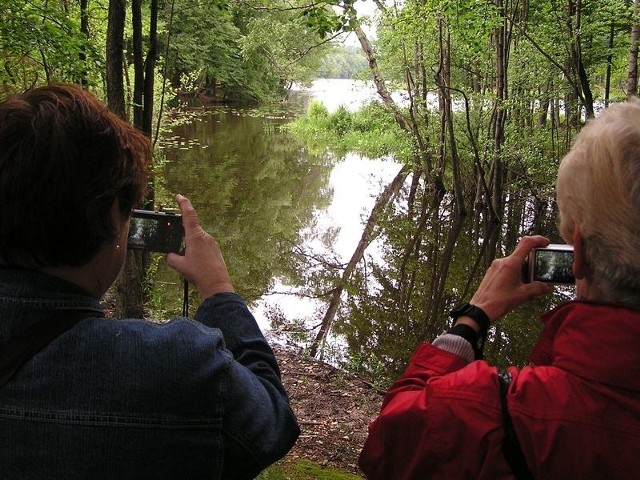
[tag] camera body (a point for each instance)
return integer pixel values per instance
(155, 231)
(551, 264)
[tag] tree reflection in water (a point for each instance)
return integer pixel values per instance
(288, 222)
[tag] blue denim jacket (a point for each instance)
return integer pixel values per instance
(132, 399)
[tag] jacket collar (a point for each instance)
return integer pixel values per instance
(598, 342)
(41, 290)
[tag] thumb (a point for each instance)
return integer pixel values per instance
(174, 260)
(537, 289)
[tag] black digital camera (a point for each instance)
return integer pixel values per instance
(155, 231)
(552, 264)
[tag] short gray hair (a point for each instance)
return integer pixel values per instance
(598, 189)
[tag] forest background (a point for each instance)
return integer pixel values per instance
(493, 91)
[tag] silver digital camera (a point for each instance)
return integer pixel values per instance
(552, 264)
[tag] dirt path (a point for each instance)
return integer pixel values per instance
(333, 409)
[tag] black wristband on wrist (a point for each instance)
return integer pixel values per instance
(477, 315)
(466, 332)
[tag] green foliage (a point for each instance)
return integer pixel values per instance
(317, 112)
(324, 20)
(225, 50)
(229, 51)
(279, 44)
(304, 470)
(343, 62)
(203, 39)
(41, 42)
(370, 131)
(242, 53)
(340, 121)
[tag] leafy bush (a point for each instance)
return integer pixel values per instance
(340, 121)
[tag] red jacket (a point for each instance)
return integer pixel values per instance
(576, 412)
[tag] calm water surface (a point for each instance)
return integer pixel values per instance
(270, 203)
(259, 191)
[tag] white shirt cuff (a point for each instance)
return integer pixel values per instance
(455, 344)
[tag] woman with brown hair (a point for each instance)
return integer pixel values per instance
(105, 398)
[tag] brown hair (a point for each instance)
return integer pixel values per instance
(64, 160)
(598, 189)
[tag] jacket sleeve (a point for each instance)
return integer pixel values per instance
(259, 426)
(441, 419)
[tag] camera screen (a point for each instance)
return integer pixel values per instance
(553, 266)
(155, 232)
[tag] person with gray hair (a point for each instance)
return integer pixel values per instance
(574, 412)
(598, 195)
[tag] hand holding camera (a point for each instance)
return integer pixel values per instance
(202, 263)
(504, 287)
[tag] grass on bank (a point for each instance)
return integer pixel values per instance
(304, 470)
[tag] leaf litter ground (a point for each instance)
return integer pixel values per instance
(333, 408)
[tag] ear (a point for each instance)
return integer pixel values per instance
(581, 268)
(120, 223)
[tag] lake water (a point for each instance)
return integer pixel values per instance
(288, 220)
(256, 189)
(355, 182)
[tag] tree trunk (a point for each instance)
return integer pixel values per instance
(148, 87)
(443, 80)
(149, 71)
(632, 74)
(499, 114)
(586, 95)
(607, 82)
(84, 29)
(129, 298)
(367, 48)
(115, 57)
(138, 62)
